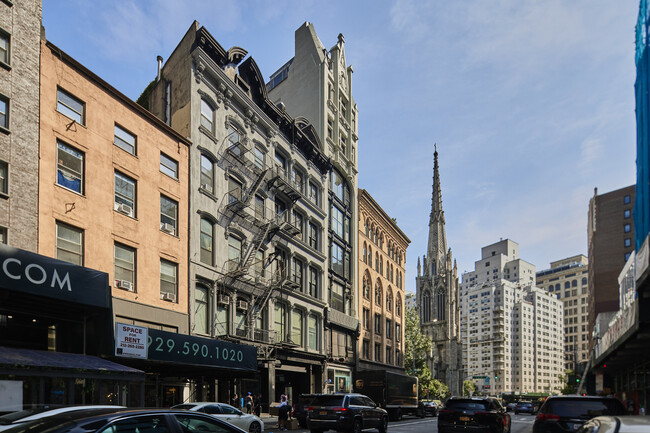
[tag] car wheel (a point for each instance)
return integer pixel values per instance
(383, 426)
(357, 425)
(255, 427)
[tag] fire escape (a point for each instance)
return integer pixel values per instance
(256, 277)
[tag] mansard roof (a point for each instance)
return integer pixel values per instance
(298, 131)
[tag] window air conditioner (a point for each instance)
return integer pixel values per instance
(124, 285)
(171, 297)
(223, 299)
(167, 228)
(124, 208)
(242, 305)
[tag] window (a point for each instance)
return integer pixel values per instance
(234, 140)
(298, 179)
(398, 333)
(313, 282)
(259, 158)
(206, 241)
(298, 222)
(343, 144)
(70, 106)
(296, 327)
(169, 166)
(627, 228)
(377, 352)
(168, 280)
(4, 48)
(330, 129)
(124, 140)
(70, 167)
(366, 349)
(336, 298)
(235, 191)
(259, 263)
(337, 221)
(69, 243)
(378, 294)
(4, 178)
(124, 266)
(339, 186)
(4, 112)
(388, 355)
(234, 252)
(340, 260)
(313, 193)
(313, 235)
(124, 194)
(377, 324)
(627, 242)
(207, 174)
(366, 318)
(280, 322)
(207, 116)
(201, 314)
(627, 256)
(627, 213)
(168, 215)
(297, 273)
(627, 199)
(259, 207)
(313, 332)
(389, 328)
(3, 235)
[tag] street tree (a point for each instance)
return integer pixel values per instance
(469, 388)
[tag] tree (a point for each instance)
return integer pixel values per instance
(469, 387)
(416, 348)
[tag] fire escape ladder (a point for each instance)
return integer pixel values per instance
(255, 187)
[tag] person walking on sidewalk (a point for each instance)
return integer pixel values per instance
(283, 413)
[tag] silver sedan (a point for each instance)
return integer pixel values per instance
(227, 413)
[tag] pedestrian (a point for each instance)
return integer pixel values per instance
(283, 413)
(257, 404)
(249, 403)
(235, 401)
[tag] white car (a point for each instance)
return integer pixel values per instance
(227, 413)
(15, 418)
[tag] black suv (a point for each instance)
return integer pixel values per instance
(567, 413)
(345, 412)
(473, 414)
(300, 406)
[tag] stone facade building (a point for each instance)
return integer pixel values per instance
(381, 279)
(316, 84)
(567, 280)
(20, 35)
(509, 332)
(258, 208)
(438, 297)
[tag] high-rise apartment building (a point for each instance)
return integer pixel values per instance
(510, 329)
(258, 219)
(381, 278)
(610, 234)
(567, 280)
(20, 36)
(316, 85)
(438, 296)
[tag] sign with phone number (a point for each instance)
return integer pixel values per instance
(188, 349)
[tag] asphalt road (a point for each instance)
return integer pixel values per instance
(522, 423)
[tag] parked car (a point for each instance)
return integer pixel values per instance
(525, 407)
(345, 412)
(127, 421)
(13, 419)
(475, 414)
(299, 412)
(563, 414)
(510, 407)
(227, 413)
(616, 424)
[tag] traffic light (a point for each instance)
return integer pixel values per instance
(577, 379)
(496, 377)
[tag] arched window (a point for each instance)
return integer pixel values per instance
(367, 228)
(398, 305)
(389, 300)
(207, 174)
(376, 261)
(557, 287)
(366, 286)
(584, 281)
(567, 285)
(381, 265)
(201, 311)
(365, 259)
(574, 283)
(378, 293)
(440, 305)
(426, 307)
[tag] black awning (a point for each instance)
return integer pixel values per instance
(35, 362)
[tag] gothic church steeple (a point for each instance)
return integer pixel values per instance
(437, 248)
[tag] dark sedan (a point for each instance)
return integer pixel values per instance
(565, 414)
(524, 407)
(475, 415)
(130, 421)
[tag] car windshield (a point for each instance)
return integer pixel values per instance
(467, 404)
(328, 400)
(585, 409)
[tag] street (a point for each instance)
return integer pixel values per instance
(520, 424)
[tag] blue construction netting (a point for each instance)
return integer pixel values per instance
(642, 87)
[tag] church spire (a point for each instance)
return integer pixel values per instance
(437, 249)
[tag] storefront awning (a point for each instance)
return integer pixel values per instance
(37, 363)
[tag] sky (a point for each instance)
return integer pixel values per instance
(530, 103)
